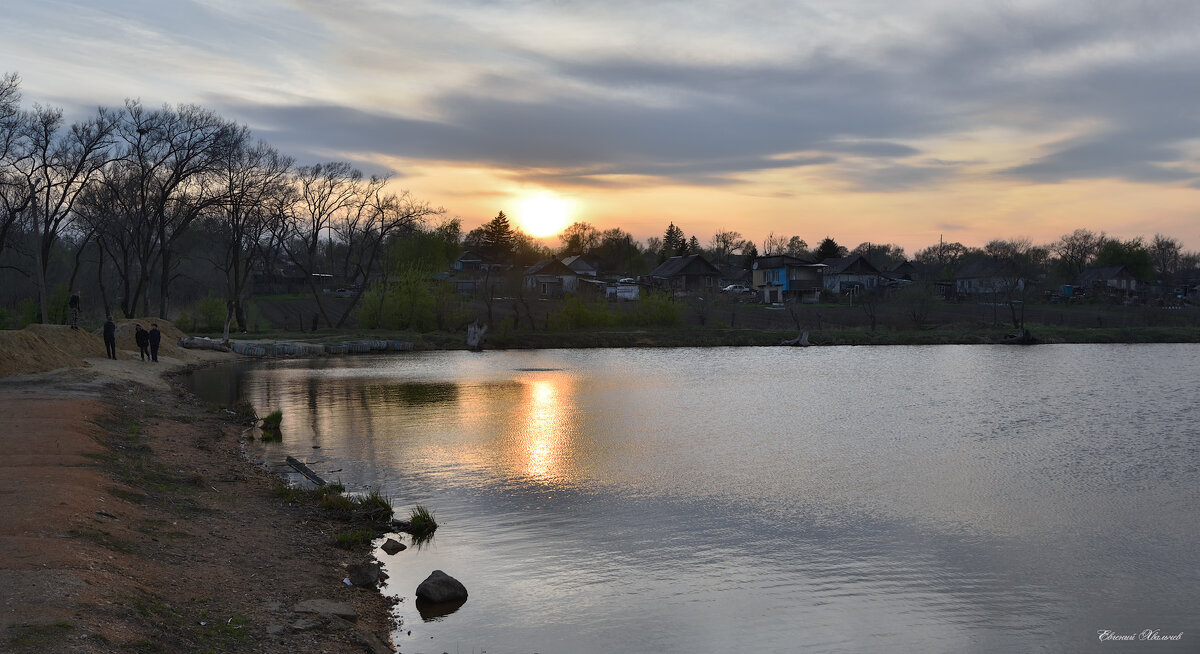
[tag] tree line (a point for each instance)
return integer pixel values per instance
(125, 195)
(139, 202)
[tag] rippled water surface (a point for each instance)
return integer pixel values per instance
(934, 499)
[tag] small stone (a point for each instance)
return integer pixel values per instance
(391, 546)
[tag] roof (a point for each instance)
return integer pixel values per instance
(853, 264)
(578, 262)
(549, 267)
(692, 264)
(780, 261)
(1099, 275)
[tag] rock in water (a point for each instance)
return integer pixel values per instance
(391, 546)
(440, 587)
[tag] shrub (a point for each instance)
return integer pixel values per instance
(421, 522)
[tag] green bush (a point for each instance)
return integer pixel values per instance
(576, 313)
(654, 310)
(208, 315)
(407, 303)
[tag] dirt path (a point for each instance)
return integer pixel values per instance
(133, 523)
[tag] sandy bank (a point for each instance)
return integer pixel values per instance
(133, 523)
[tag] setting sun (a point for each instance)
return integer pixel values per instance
(543, 215)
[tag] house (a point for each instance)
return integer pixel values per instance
(984, 278)
(906, 271)
(622, 291)
(474, 262)
(735, 275)
(1108, 280)
(781, 277)
(686, 274)
(551, 278)
(852, 274)
(582, 266)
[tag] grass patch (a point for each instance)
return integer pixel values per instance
(421, 522)
(38, 636)
(272, 420)
(189, 628)
(355, 539)
(270, 426)
(370, 512)
(128, 496)
(129, 460)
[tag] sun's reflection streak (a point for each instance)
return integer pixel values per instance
(543, 455)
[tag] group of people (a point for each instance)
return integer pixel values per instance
(147, 341)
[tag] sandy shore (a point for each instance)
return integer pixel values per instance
(133, 523)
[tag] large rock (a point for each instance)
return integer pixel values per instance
(440, 587)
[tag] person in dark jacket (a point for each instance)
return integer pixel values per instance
(73, 305)
(142, 338)
(155, 339)
(110, 338)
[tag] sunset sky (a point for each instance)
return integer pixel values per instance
(883, 120)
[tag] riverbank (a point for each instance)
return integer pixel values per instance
(134, 523)
(730, 337)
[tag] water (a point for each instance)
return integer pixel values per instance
(935, 499)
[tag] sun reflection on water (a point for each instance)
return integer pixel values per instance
(543, 445)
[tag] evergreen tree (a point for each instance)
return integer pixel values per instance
(674, 243)
(498, 237)
(828, 249)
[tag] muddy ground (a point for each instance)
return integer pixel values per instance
(132, 522)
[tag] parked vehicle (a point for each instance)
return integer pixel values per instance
(736, 288)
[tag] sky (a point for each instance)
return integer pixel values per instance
(889, 121)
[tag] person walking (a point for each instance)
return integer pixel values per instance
(155, 339)
(73, 305)
(110, 338)
(142, 338)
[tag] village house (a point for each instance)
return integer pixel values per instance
(686, 274)
(474, 262)
(984, 278)
(781, 277)
(1108, 280)
(582, 266)
(850, 274)
(551, 278)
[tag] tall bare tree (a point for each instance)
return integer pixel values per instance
(1076, 250)
(323, 192)
(61, 163)
(171, 153)
(251, 181)
(376, 219)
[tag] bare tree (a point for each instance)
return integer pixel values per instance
(723, 243)
(173, 151)
(365, 230)
(774, 245)
(1076, 250)
(579, 238)
(322, 193)
(60, 164)
(1165, 253)
(16, 194)
(1017, 264)
(253, 187)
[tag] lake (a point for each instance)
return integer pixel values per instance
(840, 499)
